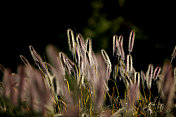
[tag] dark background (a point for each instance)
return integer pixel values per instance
(42, 23)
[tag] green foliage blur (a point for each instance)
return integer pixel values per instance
(101, 26)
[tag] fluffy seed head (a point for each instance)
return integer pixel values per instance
(88, 45)
(149, 75)
(129, 63)
(38, 60)
(156, 72)
(81, 44)
(131, 41)
(116, 46)
(71, 40)
(122, 52)
(121, 39)
(106, 58)
(137, 78)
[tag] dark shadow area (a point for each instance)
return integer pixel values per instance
(43, 23)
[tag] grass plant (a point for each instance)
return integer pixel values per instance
(88, 84)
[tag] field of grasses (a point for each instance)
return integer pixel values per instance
(88, 83)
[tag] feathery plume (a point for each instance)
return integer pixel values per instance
(115, 37)
(25, 61)
(94, 60)
(131, 41)
(60, 74)
(143, 78)
(71, 40)
(88, 58)
(77, 56)
(88, 45)
(129, 64)
(143, 75)
(67, 63)
(82, 51)
(121, 39)
(64, 62)
(137, 78)
(81, 44)
(128, 81)
(105, 56)
(149, 75)
(122, 52)
(106, 59)
(116, 46)
(38, 60)
(42, 66)
(156, 72)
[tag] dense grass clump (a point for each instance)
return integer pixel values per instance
(88, 84)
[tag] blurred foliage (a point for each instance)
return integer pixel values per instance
(100, 27)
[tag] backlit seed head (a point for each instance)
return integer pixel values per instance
(88, 45)
(149, 75)
(116, 46)
(129, 64)
(71, 40)
(156, 72)
(121, 39)
(38, 60)
(131, 41)
(137, 78)
(106, 59)
(81, 44)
